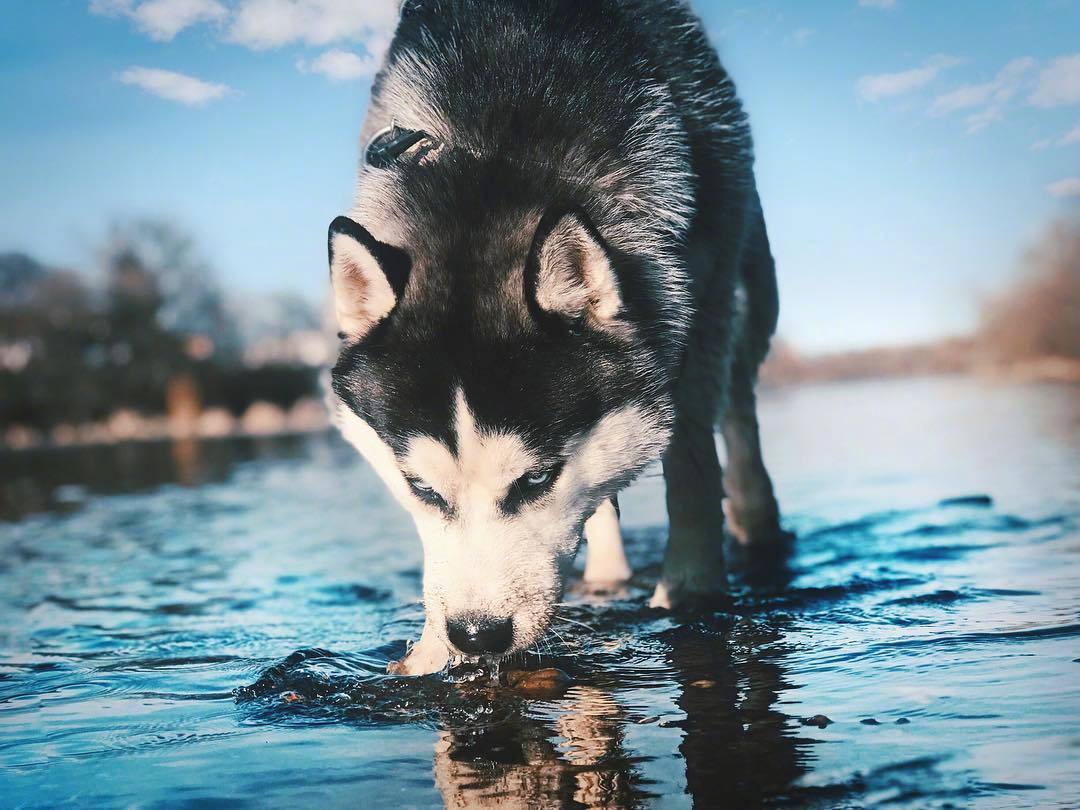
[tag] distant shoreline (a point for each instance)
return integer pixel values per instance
(952, 357)
(309, 415)
(261, 419)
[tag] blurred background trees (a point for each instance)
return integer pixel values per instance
(152, 333)
(1029, 330)
(1039, 317)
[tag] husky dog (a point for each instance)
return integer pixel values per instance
(555, 273)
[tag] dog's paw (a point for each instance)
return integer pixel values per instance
(412, 665)
(606, 573)
(661, 598)
(426, 656)
(704, 586)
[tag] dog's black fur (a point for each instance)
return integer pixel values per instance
(544, 92)
(616, 113)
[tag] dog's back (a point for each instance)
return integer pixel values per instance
(619, 106)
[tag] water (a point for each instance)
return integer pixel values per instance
(193, 624)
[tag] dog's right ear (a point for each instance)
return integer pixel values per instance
(367, 276)
(570, 272)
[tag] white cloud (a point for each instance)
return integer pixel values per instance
(886, 4)
(162, 19)
(262, 24)
(1071, 137)
(1002, 86)
(800, 36)
(1066, 187)
(971, 95)
(173, 86)
(992, 96)
(1058, 84)
(339, 66)
(978, 121)
(886, 85)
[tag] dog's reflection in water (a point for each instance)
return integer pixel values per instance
(592, 733)
(737, 750)
(576, 760)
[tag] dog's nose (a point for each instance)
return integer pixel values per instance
(481, 635)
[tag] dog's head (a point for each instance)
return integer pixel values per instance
(502, 386)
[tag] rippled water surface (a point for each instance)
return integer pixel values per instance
(199, 623)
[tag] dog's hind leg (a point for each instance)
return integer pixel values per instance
(605, 560)
(750, 506)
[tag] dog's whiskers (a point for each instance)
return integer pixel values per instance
(559, 636)
(590, 628)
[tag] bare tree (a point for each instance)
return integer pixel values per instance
(1040, 315)
(154, 259)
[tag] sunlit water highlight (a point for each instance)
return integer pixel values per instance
(190, 624)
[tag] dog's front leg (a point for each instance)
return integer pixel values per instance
(605, 560)
(694, 560)
(426, 656)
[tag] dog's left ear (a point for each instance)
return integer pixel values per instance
(368, 277)
(570, 271)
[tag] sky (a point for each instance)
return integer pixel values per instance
(908, 151)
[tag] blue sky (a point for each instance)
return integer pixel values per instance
(908, 150)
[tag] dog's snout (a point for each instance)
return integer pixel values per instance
(481, 635)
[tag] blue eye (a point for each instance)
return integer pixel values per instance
(425, 492)
(537, 478)
(530, 487)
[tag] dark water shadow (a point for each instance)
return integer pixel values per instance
(738, 748)
(62, 479)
